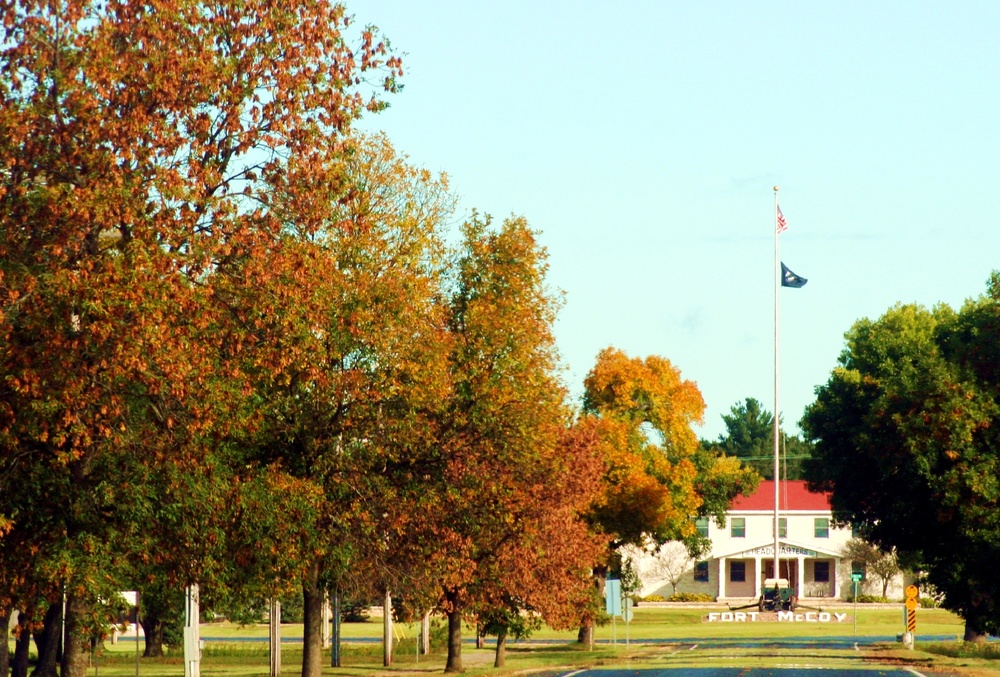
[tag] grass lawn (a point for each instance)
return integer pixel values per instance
(228, 654)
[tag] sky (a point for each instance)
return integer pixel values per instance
(643, 141)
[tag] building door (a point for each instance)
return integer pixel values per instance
(789, 570)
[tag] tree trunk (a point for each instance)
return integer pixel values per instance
(454, 663)
(586, 633)
(974, 630)
(153, 628)
(501, 655)
(973, 635)
(76, 653)
(4, 641)
(313, 601)
(47, 642)
(21, 648)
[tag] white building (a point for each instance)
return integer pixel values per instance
(742, 552)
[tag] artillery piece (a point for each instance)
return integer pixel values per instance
(776, 595)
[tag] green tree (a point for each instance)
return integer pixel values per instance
(906, 440)
(876, 562)
(749, 437)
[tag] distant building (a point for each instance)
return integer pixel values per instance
(742, 552)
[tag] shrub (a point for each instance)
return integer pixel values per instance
(869, 599)
(690, 597)
(654, 598)
(354, 612)
(928, 603)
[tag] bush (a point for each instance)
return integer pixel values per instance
(928, 603)
(869, 599)
(354, 612)
(654, 598)
(690, 597)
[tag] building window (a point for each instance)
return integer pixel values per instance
(701, 572)
(737, 572)
(738, 527)
(782, 527)
(821, 572)
(858, 568)
(701, 524)
(822, 527)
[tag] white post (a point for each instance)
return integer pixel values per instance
(425, 633)
(387, 630)
(722, 577)
(275, 638)
(192, 640)
(327, 630)
(777, 410)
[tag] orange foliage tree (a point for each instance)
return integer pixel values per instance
(146, 151)
(343, 341)
(503, 486)
(657, 479)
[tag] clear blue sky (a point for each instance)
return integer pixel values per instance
(643, 139)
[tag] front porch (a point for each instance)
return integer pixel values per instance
(812, 573)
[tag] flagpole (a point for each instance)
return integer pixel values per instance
(777, 286)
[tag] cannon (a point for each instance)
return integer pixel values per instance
(776, 595)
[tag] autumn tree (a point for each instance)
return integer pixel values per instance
(658, 478)
(342, 337)
(905, 439)
(142, 146)
(541, 572)
(506, 484)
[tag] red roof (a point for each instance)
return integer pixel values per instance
(793, 495)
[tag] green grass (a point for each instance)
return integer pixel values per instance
(227, 657)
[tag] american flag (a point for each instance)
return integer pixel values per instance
(782, 224)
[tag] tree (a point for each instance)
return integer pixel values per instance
(142, 147)
(542, 572)
(344, 344)
(749, 437)
(502, 519)
(905, 439)
(658, 478)
(876, 562)
(671, 561)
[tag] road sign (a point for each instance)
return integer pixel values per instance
(613, 597)
(912, 604)
(857, 576)
(911, 620)
(911, 592)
